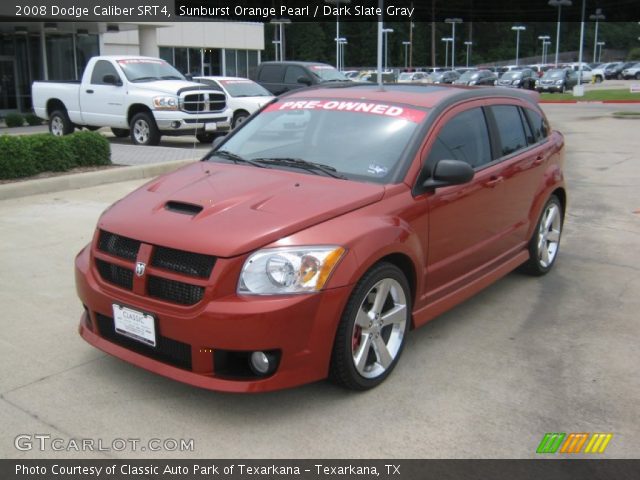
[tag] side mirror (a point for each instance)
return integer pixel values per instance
(449, 172)
(110, 79)
(188, 76)
(304, 81)
(217, 141)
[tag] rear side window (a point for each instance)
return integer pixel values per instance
(100, 69)
(538, 125)
(465, 137)
(293, 73)
(271, 74)
(510, 129)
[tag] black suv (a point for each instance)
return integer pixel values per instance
(280, 77)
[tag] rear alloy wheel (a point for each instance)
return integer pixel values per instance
(144, 130)
(545, 242)
(638, 76)
(59, 123)
(120, 132)
(372, 330)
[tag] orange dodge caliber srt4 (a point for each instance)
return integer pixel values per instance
(313, 238)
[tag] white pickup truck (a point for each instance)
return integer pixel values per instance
(143, 97)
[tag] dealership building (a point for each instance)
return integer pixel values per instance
(61, 50)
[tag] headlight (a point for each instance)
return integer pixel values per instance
(515, 82)
(558, 82)
(165, 103)
(472, 82)
(283, 271)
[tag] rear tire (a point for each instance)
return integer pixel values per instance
(120, 132)
(545, 241)
(372, 330)
(144, 130)
(638, 76)
(598, 79)
(60, 124)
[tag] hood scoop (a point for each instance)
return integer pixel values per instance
(183, 208)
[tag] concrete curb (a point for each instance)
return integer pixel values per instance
(87, 179)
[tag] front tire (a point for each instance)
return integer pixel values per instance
(545, 241)
(239, 118)
(144, 130)
(60, 124)
(372, 330)
(205, 137)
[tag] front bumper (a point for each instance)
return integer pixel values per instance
(184, 123)
(549, 88)
(300, 327)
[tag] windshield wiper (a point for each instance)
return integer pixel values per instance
(144, 79)
(236, 158)
(171, 77)
(302, 164)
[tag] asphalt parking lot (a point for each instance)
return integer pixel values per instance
(525, 357)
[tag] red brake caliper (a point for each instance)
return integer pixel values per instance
(357, 338)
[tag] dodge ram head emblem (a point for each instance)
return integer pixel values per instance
(140, 269)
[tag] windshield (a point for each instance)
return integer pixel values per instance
(148, 70)
(466, 76)
(327, 73)
(554, 74)
(511, 75)
(330, 133)
(244, 88)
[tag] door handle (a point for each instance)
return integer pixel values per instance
(539, 159)
(89, 91)
(493, 181)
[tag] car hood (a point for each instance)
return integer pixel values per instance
(242, 207)
(170, 86)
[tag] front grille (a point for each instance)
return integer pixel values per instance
(173, 291)
(115, 274)
(203, 102)
(166, 350)
(195, 102)
(118, 246)
(188, 263)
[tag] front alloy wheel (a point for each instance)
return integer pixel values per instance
(372, 331)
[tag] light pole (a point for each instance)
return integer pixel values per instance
(601, 44)
(597, 17)
(276, 48)
(446, 41)
(544, 39)
(559, 4)
(406, 46)
(518, 29)
(468, 44)
(453, 22)
(386, 31)
(337, 4)
(280, 22)
(546, 50)
(341, 42)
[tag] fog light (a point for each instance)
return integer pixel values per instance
(260, 363)
(175, 124)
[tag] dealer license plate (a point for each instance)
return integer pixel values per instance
(210, 127)
(133, 324)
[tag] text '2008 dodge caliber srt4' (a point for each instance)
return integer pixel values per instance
(314, 237)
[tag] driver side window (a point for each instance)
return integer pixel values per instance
(465, 137)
